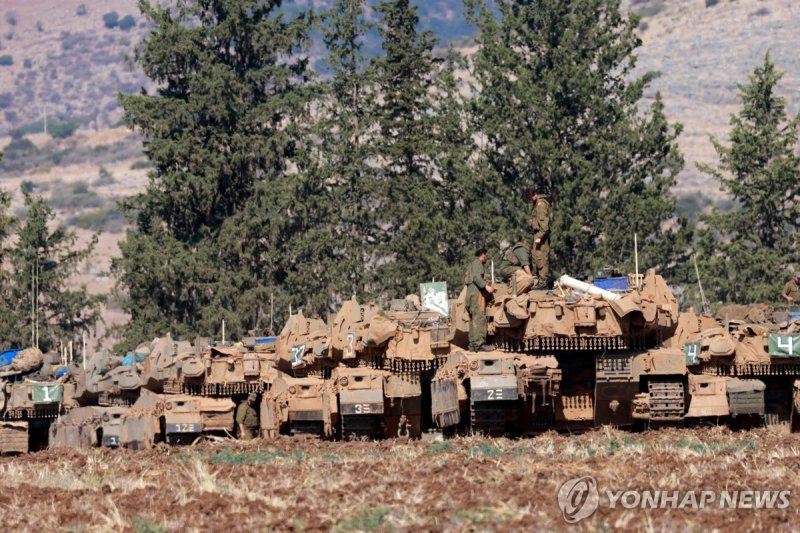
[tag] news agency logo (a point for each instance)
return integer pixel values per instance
(578, 498)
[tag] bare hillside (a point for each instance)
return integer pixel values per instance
(62, 58)
(701, 53)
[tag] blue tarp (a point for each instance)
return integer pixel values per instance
(140, 357)
(266, 340)
(7, 356)
(612, 284)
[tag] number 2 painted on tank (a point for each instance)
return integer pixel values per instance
(495, 394)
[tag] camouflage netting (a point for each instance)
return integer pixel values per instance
(28, 360)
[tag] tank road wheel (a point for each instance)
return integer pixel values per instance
(667, 400)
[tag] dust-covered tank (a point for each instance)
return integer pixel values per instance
(748, 359)
(572, 357)
(35, 390)
(365, 373)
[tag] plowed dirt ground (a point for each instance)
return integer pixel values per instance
(465, 484)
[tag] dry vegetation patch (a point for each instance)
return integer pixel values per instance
(468, 483)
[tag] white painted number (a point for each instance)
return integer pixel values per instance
(351, 345)
(495, 394)
(47, 394)
(362, 408)
(788, 345)
(691, 351)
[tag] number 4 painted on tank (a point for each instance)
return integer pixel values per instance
(786, 342)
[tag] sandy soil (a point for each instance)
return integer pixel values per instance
(466, 484)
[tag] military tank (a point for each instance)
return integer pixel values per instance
(364, 374)
(747, 359)
(570, 358)
(576, 356)
(35, 389)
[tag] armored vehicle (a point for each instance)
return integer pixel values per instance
(573, 357)
(751, 361)
(35, 390)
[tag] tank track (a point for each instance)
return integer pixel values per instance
(488, 418)
(362, 426)
(667, 401)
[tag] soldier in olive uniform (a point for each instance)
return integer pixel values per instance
(476, 286)
(247, 418)
(516, 266)
(791, 291)
(540, 224)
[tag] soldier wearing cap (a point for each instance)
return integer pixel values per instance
(540, 224)
(476, 301)
(791, 291)
(247, 418)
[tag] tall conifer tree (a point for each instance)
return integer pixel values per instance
(212, 230)
(559, 109)
(745, 254)
(410, 211)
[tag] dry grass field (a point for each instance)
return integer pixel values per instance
(465, 484)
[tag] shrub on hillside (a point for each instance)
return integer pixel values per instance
(18, 148)
(62, 130)
(106, 219)
(104, 177)
(5, 100)
(142, 163)
(74, 196)
(82, 10)
(71, 40)
(111, 20)
(25, 129)
(6, 60)
(711, 3)
(127, 22)
(10, 116)
(651, 8)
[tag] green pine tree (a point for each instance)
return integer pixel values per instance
(559, 110)
(744, 254)
(346, 223)
(42, 262)
(414, 228)
(225, 197)
(468, 200)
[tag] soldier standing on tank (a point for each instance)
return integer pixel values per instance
(791, 291)
(476, 301)
(247, 418)
(540, 224)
